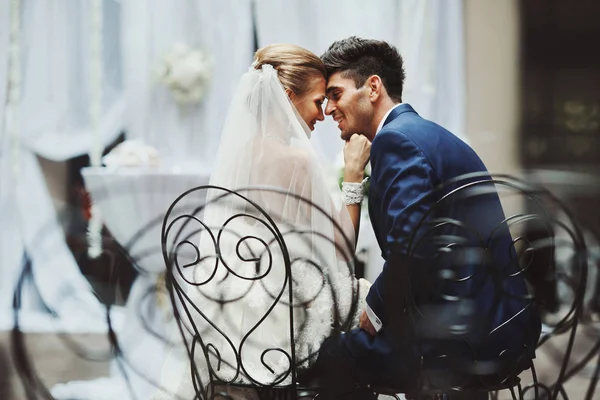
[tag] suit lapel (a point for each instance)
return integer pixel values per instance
(373, 197)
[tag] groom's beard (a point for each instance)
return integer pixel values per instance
(361, 124)
(345, 136)
(346, 130)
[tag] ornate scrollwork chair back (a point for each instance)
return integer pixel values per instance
(467, 298)
(253, 293)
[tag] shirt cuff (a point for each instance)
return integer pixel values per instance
(375, 321)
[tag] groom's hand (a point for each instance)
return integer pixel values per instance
(357, 152)
(366, 325)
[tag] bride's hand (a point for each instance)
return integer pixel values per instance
(366, 325)
(357, 152)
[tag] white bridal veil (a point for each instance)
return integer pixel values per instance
(237, 296)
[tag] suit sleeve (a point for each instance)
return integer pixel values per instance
(403, 178)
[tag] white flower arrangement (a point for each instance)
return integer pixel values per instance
(132, 153)
(186, 72)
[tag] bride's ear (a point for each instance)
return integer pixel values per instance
(289, 93)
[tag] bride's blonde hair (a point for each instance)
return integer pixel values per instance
(294, 64)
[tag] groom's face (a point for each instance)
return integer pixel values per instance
(348, 105)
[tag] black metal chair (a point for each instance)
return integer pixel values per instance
(450, 250)
(253, 250)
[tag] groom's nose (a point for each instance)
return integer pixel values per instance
(329, 107)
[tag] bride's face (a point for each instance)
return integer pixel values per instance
(309, 105)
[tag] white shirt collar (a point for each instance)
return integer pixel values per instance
(387, 114)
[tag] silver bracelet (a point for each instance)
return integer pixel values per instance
(353, 192)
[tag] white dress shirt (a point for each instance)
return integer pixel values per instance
(387, 114)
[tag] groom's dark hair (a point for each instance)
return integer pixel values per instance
(358, 59)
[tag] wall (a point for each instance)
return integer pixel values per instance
(492, 68)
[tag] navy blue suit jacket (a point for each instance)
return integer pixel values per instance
(410, 157)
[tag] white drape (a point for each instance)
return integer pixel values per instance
(185, 137)
(53, 121)
(430, 37)
(428, 33)
(223, 30)
(4, 43)
(54, 115)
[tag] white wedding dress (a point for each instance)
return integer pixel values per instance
(290, 225)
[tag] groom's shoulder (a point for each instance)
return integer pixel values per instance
(393, 139)
(420, 130)
(404, 128)
(389, 135)
(411, 123)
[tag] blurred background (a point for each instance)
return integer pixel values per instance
(517, 80)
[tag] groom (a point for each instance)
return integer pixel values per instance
(410, 157)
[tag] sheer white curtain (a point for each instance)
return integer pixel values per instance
(431, 40)
(428, 33)
(4, 43)
(151, 28)
(315, 25)
(53, 121)
(185, 137)
(56, 59)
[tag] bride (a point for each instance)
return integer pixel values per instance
(239, 301)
